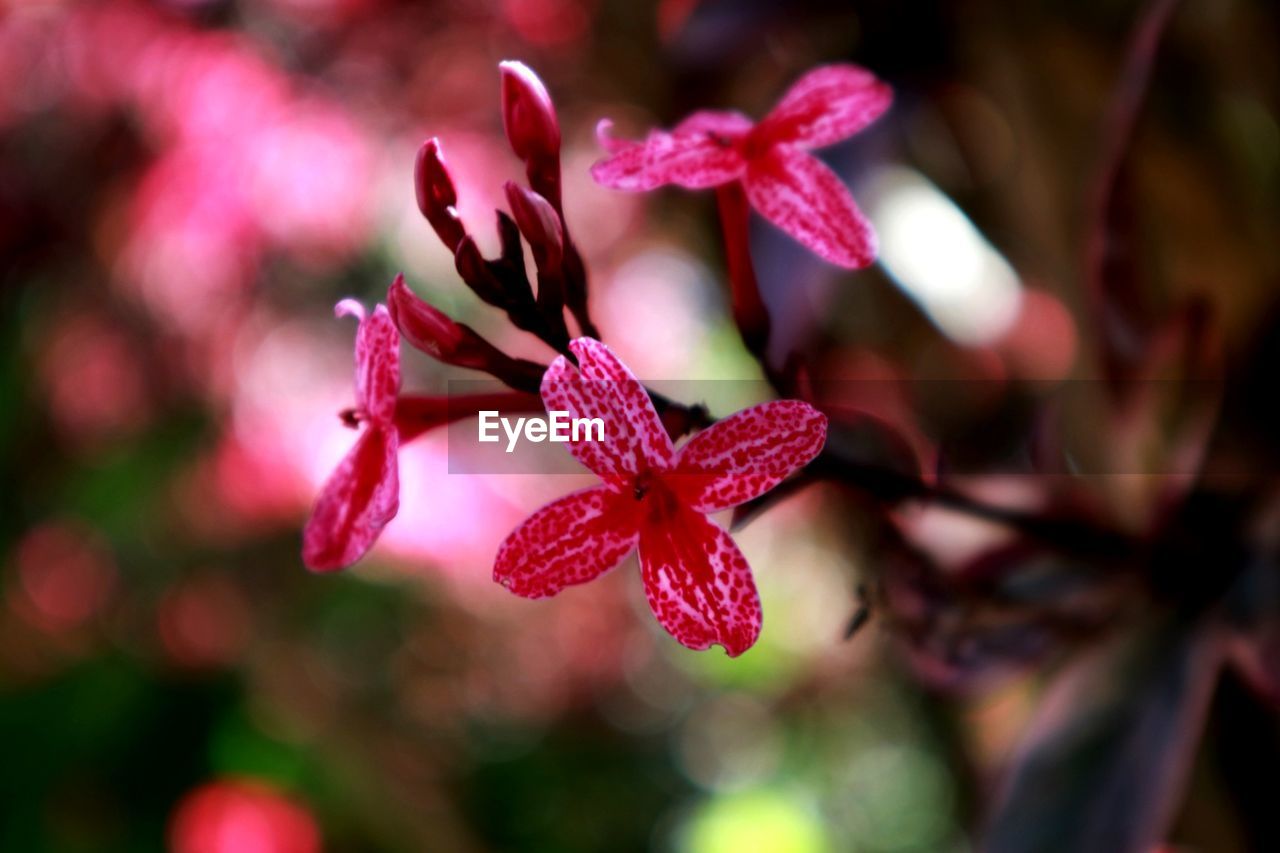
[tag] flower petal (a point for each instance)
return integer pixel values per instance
(605, 138)
(699, 153)
(569, 541)
(698, 583)
(602, 387)
(826, 105)
(798, 193)
(378, 366)
(358, 500)
(727, 124)
(747, 454)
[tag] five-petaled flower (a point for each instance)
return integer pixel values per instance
(786, 184)
(656, 498)
(363, 494)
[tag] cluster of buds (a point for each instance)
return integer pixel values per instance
(537, 215)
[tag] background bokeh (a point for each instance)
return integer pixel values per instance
(186, 188)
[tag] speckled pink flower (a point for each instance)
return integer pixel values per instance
(656, 498)
(363, 494)
(785, 183)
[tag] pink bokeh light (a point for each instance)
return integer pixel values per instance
(241, 816)
(204, 621)
(93, 374)
(65, 576)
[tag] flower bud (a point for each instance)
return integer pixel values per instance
(422, 324)
(437, 198)
(540, 225)
(527, 113)
(431, 330)
(532, 128)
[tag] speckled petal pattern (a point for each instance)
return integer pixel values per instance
(826, 105)
(698, 583)
(357, 501)
(798, 193)
(602, 387)
(747, 454)
(691, 158)
(569, 541)
(378, 366)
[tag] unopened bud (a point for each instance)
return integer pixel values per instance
(437, 198)
(422, 324)
(540, 225)
(527, 113)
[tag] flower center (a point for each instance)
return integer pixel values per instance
(658, 500)
(644, 482)
(753, 146)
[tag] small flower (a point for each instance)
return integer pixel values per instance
(363, 494)
(656, 498)
(787, 185)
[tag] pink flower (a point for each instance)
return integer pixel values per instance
(363, 494)
(656, 498)
(787, 185)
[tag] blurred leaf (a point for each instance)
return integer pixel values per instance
(1115, 272)
(1105, 760)
(1252, 609)
(1164, 422)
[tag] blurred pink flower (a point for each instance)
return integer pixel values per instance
(247, 483)
(656, 499)
(787, 185)
(234, 816)
(549, 23)
(243, 161)
(198, 87)
(192, 241)
(310, 174)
